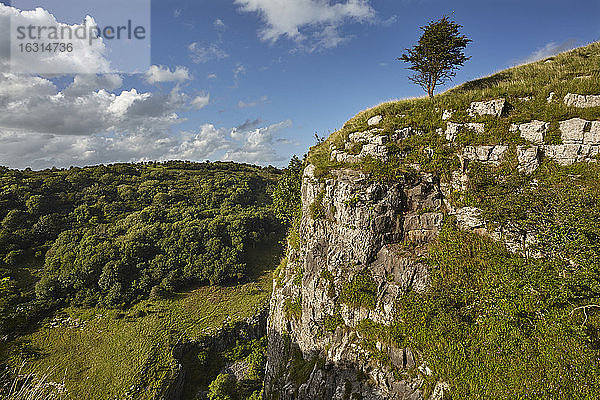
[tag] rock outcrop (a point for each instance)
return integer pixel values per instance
(494, 108)
(359, 235)
(582, 101)
(353, 234)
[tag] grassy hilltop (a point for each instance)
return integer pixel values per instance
(496, 323)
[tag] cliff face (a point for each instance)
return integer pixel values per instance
(445, 243)
(347, 269)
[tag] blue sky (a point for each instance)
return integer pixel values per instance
(255, 79)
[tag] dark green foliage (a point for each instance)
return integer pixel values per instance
(331, 322)
(301, 368)
(437, 54)
(222, 388)
(251, 353)
(495, 324)
(108, 235)
(361, 291)
(286, 195)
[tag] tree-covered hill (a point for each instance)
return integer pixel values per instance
(113, 235)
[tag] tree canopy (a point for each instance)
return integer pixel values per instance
(437, 55)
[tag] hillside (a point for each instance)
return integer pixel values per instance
(449, 247)
(108, 272)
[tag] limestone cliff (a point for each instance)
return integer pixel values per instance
(356, 237)
(362, 239)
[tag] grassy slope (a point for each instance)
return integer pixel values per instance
(496, 324)
(577, 71)
(116, 351)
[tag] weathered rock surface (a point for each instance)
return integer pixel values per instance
(492, 107)
(582, 101)
(364, 225)
(567, 154)
(373, 144)
(529, 158)
(533, 131)
(374, 120)
(487, 154)
(453, 128)
(573, 130)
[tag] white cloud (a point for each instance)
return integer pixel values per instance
(85, 124)
(219, 24)
(319, 21)
(237, 71)
(34, 104)
(257, 145)
(200, 101)
(202, 54)
(550, 49)
(85, 83)
(254, 103)
(85, 57)
(159, 73)
(211, 76)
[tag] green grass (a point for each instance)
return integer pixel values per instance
(496, 324)
(117, 350)
(535, 80)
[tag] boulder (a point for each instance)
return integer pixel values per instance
(493, 107)
(567, 154)
(529, 158)
(374, 120)
(447, 114)
(572, 130)
(453, 128)
(534, 131)
(582, 101)
(487, 154)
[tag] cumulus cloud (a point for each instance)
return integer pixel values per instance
(550, 49)
(318, 21)
(200, 101)
(159, 73)
(201, 54)
(34, 104)
(257, 145)
(85, 123)
(84, 58)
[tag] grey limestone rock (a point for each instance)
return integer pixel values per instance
(492, 107)
(374, 120)
(582, 101)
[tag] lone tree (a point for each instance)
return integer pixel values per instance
(437, 55)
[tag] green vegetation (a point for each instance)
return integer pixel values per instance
(495, 323)
(293, 308)
(252, 354)
(361, 291)
(102, 271)
(101, 353)
(108, 235)
(437, 55)
(317, 210)
(300, 368)
(577, 71)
